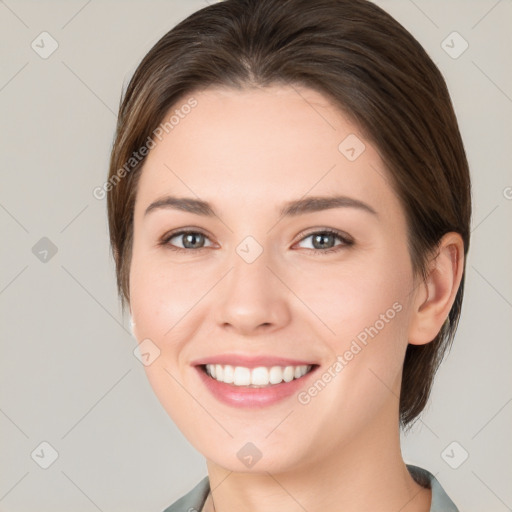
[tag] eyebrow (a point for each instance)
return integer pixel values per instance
(291, 208)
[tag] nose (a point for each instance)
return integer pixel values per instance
(252, 299)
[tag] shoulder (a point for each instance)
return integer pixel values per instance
(194, 500)
(441, 502)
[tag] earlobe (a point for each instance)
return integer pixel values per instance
(132, 327)
(435, 296)
(132, 324)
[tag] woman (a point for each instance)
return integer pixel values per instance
(289, 209)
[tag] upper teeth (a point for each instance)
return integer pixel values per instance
(260, 376)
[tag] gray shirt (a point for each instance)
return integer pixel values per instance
(194, 500)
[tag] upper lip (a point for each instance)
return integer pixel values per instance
(249, 361)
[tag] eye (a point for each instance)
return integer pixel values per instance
(189, 239)
(322, 241)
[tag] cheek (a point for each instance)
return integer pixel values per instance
(161, 295)
(368, 309)
(349, 297)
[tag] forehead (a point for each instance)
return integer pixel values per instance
(262, 146)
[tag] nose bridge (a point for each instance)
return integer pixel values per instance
(250, 267)
(251, 294)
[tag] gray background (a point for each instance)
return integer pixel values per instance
(68, 373)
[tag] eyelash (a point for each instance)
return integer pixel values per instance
(345, 239)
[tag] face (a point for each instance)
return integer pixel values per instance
(269, 287)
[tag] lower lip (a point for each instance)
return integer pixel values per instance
(242, 396)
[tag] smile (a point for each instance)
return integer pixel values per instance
(260, 376)
(249, 381)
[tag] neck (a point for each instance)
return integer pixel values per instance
(368, 473)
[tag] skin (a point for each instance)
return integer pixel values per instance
(247, 152)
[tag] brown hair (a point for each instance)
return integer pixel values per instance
(364, 61)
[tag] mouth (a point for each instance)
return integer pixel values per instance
(259, 377)
(254, 382)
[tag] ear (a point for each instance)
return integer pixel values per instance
(435, 295)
